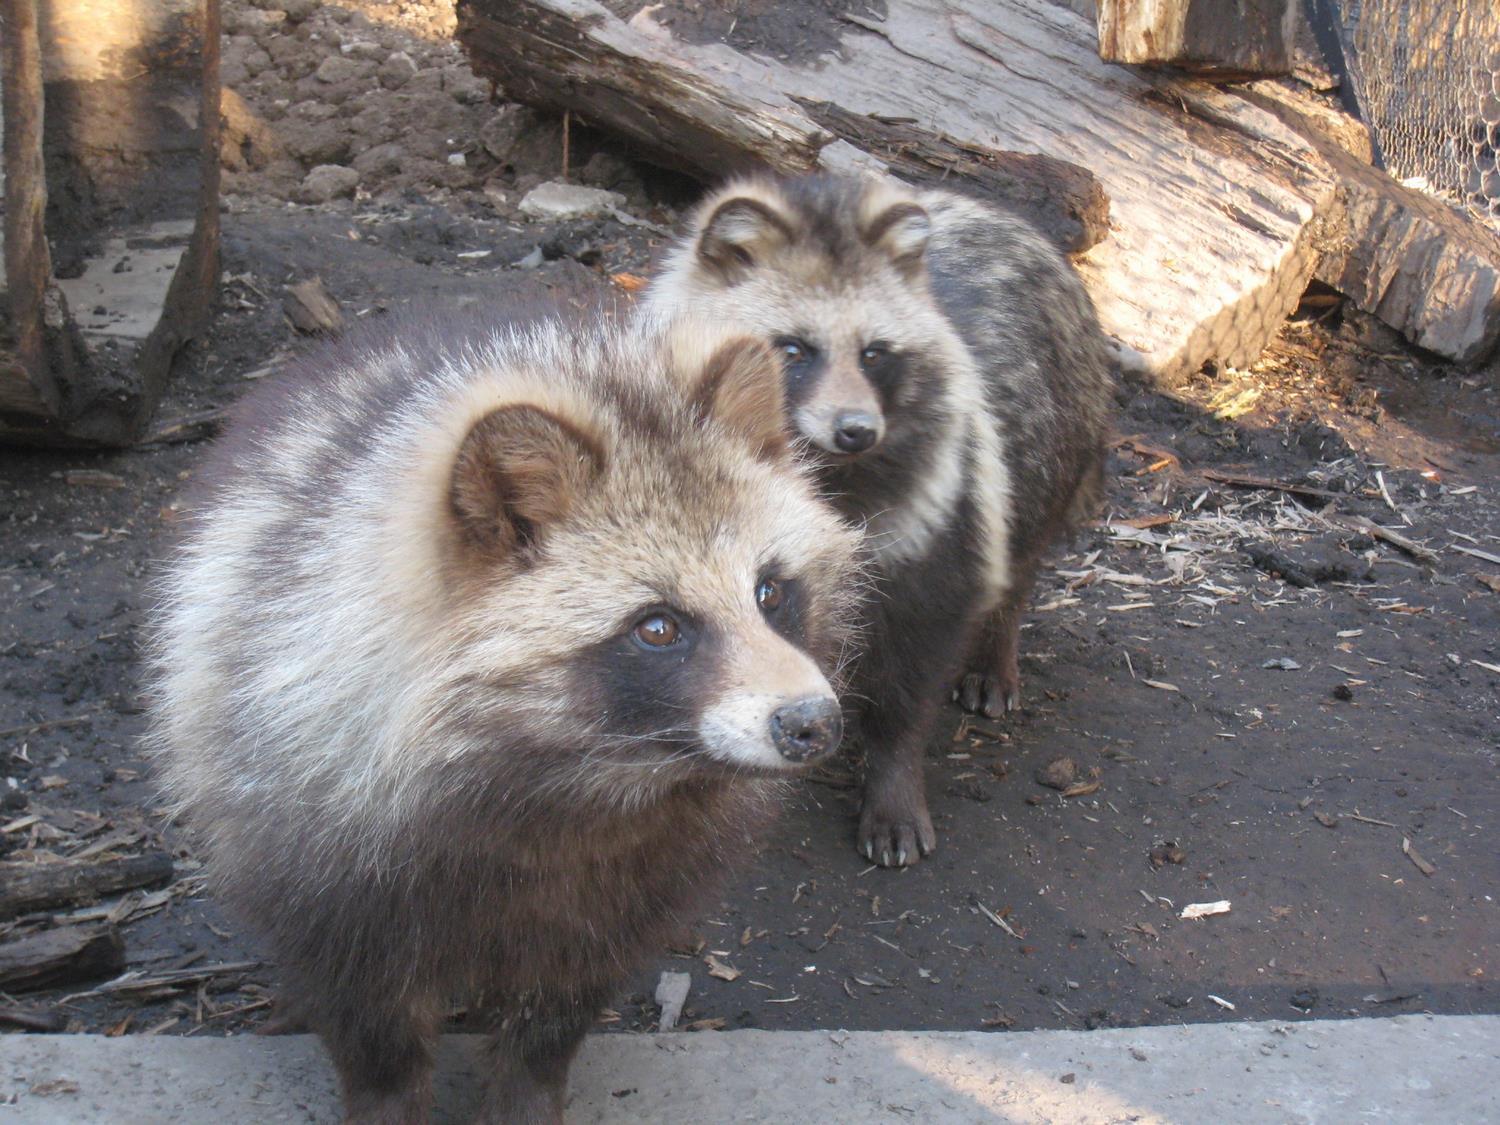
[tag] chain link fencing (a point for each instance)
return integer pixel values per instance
(1426, 74)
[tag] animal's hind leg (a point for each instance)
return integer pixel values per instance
(991, 686)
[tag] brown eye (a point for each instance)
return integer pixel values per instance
(769, 595)
(656, 631)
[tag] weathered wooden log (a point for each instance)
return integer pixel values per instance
(54, 957)
(1216, 207)
(1220, 39)
(26, 887)
(99, 103)
(636, 80)
(1423, 268)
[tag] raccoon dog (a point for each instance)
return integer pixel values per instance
(480, 662)
(947, 372)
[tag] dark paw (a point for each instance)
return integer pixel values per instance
(991, 696)
(895, 836)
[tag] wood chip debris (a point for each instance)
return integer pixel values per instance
(1386, 535)
(719, 970)
(1221, 1002)
(1161, 685)
(1415, 856)
(1475, 552)
(1205, 909)
(311, 308)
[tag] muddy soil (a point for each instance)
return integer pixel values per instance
(1259, 702)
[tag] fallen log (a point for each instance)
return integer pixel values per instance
(638, 81)
(26, 887)
(54, 957)
(1217, 209)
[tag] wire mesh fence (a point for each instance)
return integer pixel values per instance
(1427, 77)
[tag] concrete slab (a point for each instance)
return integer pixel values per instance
(120, 294)
(1409, 1069)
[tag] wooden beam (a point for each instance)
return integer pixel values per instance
(1221, 39)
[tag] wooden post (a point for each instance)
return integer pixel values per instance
(1222, 39)
(115, 73)
(25, 366)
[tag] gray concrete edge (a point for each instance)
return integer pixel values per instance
(1413, 1069)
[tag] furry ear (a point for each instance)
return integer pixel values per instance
(741, 233)
(518, 470)
(902, 231)
(741, 388)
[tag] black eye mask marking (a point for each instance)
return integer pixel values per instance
(883, 366)
(802, 362)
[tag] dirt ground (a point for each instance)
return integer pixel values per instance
(1258, 701)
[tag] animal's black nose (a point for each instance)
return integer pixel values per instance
(807, 729)
(855, 433)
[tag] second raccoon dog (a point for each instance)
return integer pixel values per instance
(479, 665)
(946, 369)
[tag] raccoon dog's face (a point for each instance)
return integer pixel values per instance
(832, 273)
(651, 577)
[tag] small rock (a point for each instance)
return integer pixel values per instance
(397, 70)
(366, 50)
(427, 79)
(380, 160)
(1068, 1079)
(556, 200)
(457, 159)
(320, 142)
(250, 21)
(1282, 663)
(1137, 1054)
(299, 10)
(531, 261)
(1342, 692)
(465, 87)
(327, 181)
(1056, 774)
(337, 68)
(1305, 999)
